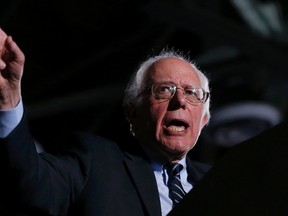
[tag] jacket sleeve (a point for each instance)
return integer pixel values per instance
(38, 184)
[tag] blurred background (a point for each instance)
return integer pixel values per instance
(80, 54)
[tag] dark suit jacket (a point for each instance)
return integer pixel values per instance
(251, 179)
(93, 176)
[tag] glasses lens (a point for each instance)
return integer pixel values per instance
(167, 90)
(195, 95)
(163, 90)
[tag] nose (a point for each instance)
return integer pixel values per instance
(178, 100)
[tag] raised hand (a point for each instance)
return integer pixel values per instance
(11, 70)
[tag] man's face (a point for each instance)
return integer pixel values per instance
(169, 127)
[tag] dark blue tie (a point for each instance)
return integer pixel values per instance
(176, 192)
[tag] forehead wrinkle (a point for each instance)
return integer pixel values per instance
(161, 72)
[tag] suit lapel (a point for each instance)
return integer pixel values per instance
(145, 183)
(195, 170)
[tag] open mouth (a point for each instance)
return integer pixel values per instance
(175, 126)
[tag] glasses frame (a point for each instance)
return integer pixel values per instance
(174, 89)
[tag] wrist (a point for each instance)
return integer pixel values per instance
(9, 100)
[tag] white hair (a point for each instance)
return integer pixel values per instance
(136, 85)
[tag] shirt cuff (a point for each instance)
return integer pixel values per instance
(9, 119)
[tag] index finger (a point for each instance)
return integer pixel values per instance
(3, 37)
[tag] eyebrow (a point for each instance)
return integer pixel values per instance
(183, 86)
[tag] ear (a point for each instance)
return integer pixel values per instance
(130, 112)
(204, 121)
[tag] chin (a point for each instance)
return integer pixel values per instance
(177, 148)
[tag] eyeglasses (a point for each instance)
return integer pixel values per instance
(165, 91)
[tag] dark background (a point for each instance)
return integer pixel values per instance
(80, 54)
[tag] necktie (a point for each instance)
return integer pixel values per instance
(176, 192)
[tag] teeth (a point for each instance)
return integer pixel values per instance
(176, 128)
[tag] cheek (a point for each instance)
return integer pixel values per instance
(157, 116)
(151, 119)
(195, 118)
